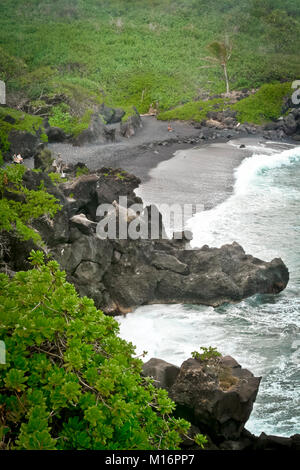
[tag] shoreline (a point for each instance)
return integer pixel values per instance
(148, 155)
(175, 167)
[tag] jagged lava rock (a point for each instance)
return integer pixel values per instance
(216, 395)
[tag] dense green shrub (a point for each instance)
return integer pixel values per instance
(82, 171)
(206, 354)
(19, 205)
(61, 117)
(10, 67)
(23, 122)
(196, 111)
(70, 382)
(265, 105)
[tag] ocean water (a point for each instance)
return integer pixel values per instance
(262, 332)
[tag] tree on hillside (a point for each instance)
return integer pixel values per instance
(220, 54)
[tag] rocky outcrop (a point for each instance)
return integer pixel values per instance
(216, 395)
(291, 124)
(130, 127)
(127, 273)
(111, 115)
(121, 274)
(56, 134)
(159, 272)
(163, 373)
(24, 143)
(287, 126)
(94, 133)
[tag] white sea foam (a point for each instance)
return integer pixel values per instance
(260, 332)
(253, 167)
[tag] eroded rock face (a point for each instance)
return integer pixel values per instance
(121, 275)
(215, 395)
(111, 115)
(55, 134)
(24, 143)
(160, 272)
(94, 133)
(163, 373)
(130, 127)
(288, 126)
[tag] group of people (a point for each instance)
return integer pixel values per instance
(58, 163)
(17, 159)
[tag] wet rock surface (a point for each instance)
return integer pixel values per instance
(122, 274)
(216, 395)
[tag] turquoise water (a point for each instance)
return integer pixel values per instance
(262, 332)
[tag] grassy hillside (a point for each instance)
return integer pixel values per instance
(263, 106)
(135, 52)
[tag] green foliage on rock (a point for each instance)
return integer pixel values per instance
(56, 178)
(196, 110)
(70, 382)
(206, 354)
(19, 205)
(82, 171)
(22, 122)
(265, 105)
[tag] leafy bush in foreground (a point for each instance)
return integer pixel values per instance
(22, 122)
(19, 205)
(69, 381)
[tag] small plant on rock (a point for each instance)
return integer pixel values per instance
(208, 353)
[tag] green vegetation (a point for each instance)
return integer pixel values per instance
(207, 353)
(141, 52)
(196, 111)
(56, 178)
(19, 205)
(82, 171)
(60, 116)
(220, 54)
(70, 382)
(19, 121)
(265, 105)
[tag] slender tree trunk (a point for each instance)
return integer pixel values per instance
(226, 79)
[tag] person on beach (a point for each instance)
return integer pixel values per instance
(17, 159)
(58, 164)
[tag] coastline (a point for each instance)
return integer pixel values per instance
(175, 167)
(158, 158)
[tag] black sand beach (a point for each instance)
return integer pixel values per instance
(173, 166)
